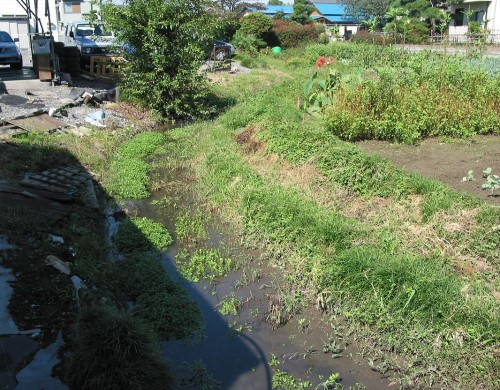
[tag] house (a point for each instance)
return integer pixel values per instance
(486, 13)
(329, 12)
(334, 13)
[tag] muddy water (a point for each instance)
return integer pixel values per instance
(235, 352)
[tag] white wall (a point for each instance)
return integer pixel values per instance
(491, 11)
(13, 19)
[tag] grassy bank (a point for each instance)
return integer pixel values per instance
(392, 255)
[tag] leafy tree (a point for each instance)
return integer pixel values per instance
(167, 40)
(256, 24)
(301, 11)
(275, 2)
(367, 9)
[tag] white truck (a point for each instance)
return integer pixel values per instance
(90, 39)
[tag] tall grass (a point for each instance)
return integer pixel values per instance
(389, 94)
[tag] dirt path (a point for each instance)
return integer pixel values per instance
(448, 162)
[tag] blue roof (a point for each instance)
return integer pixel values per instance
(273, 9)
(334, 12)
(331, 9)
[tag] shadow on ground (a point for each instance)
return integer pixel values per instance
(95, 304)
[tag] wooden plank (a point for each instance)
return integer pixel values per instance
(42, 207)
(42, 122)
(61, 197)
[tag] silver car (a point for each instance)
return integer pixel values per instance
(10, 54)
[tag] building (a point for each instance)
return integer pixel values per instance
(14, 19)
(487, 13)
(333, 13)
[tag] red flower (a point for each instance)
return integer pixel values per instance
(324, 61)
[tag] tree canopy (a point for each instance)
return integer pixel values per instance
(167, 41)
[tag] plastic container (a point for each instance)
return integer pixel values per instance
(276, 50)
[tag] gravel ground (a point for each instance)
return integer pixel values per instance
(26, 99)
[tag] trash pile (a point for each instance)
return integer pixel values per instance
(67, 110)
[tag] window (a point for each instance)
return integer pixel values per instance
(459, 17)
(72, 8)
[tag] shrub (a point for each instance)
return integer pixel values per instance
(286, 34)
(114, 351)
(248, 43)
(256, 24)
(374, 39)
(323, 39)
(162, 71)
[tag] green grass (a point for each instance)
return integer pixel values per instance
(112, 350)
(207, 264)
(363, 273)
(129, 176)
(142, 234)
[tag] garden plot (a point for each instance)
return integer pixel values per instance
(447, 161)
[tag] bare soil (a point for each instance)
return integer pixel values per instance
(446, 161)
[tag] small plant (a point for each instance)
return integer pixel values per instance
(303, 325)
(285, 381)
(492, 181)
(469, 176)
(319, 92)
(190, 228)
(331, 383)
(205, 264)
(229, 305)
(274, 361)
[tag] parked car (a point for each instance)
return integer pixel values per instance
(90, 39)
(10, 54)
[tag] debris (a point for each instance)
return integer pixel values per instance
(89, 197)
(41, 122)
(63, 180)
(95, 118)
(58, 264)
(58, 239)
(77, 282)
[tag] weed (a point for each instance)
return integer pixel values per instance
(285, 381)
(331, 383)
(469, 176)
(229, 305)
(112, 350)
(129, 172)
(303, 325)
(274, 361)
(492, 181)
(142, 234)
(190, 229)
(205, 264)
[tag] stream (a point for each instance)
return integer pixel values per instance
(242, 351)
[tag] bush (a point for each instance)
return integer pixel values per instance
(114, 351)
(374, 39)
(286, 34)
(162, 69)
(256, 24)
(323, 39)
